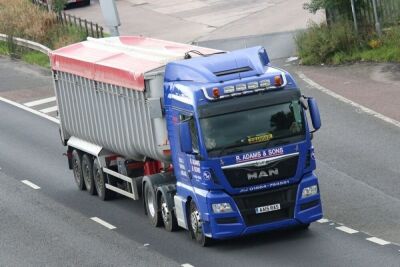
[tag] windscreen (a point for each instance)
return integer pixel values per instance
(253, 129)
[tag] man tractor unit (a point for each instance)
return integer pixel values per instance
(214, 142)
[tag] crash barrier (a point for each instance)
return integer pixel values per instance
(27, 44)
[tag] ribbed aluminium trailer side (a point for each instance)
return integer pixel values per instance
(122, 120)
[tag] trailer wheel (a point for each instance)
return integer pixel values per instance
(168, 216)
(77, 169)
(100, 182)
(152, 210)
(87, 171)
(196, 227)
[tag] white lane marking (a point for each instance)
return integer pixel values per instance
(187, 265)
(104, 223)
(28, 183)
(18, 105)
(347, 230)
(290, 59)
(323, 220)
(50, 109)
(378, 241)
(40, 101)
(348, 101)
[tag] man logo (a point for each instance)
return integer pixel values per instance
(262, 174)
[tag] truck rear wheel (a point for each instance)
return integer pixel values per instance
(100, 182)
(87, 171)
(152, 210)
(196, 226)
(168, 216)
(77, 169)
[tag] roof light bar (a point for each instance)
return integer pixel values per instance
(279, 81)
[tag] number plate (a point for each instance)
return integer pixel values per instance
(268, 208)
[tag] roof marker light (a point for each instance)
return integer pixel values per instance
(229, 89)
(265, 83)
(241, 87)
(215, 92)
(278, 80)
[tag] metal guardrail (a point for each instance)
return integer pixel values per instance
(27, 44)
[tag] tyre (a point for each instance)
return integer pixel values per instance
(167, 215)
(152, 210)
(100, 182)
(196, 227)
(87, 171)
(77, 169)
(304, 226)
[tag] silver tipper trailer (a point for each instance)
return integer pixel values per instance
(109, 93)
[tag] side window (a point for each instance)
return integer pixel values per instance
(195, 138)
(193, 131)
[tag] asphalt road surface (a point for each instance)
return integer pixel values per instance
(358, 165)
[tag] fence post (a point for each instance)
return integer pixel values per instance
(65, 18)
(377, 24)
(86, 28)
(91, 28)
(353, 10)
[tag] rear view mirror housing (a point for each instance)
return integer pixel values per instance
(314, 113)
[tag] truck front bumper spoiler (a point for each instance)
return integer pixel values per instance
(295, 210)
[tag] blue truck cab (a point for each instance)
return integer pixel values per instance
(241, 145)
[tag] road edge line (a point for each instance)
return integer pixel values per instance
(346, 100)
(21, 106)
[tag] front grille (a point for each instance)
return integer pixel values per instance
(253, 175)
(285, 196)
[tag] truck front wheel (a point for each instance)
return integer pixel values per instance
(77, 169)
(152, 210)
(196, 226)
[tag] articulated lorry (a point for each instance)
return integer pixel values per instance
(214, 142)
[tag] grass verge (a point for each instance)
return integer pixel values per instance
(26, 55)
(338, 44)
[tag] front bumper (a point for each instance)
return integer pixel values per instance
(243, 220)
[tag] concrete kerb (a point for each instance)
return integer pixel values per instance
(28, 44)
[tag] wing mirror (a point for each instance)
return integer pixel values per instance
(314, 113)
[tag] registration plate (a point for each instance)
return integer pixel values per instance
(268, 208)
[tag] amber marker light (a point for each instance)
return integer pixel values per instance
(215, 92)
(278, 80)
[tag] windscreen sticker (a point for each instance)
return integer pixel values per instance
(259, 138)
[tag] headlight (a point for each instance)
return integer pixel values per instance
(222, 208)
(309, 191)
